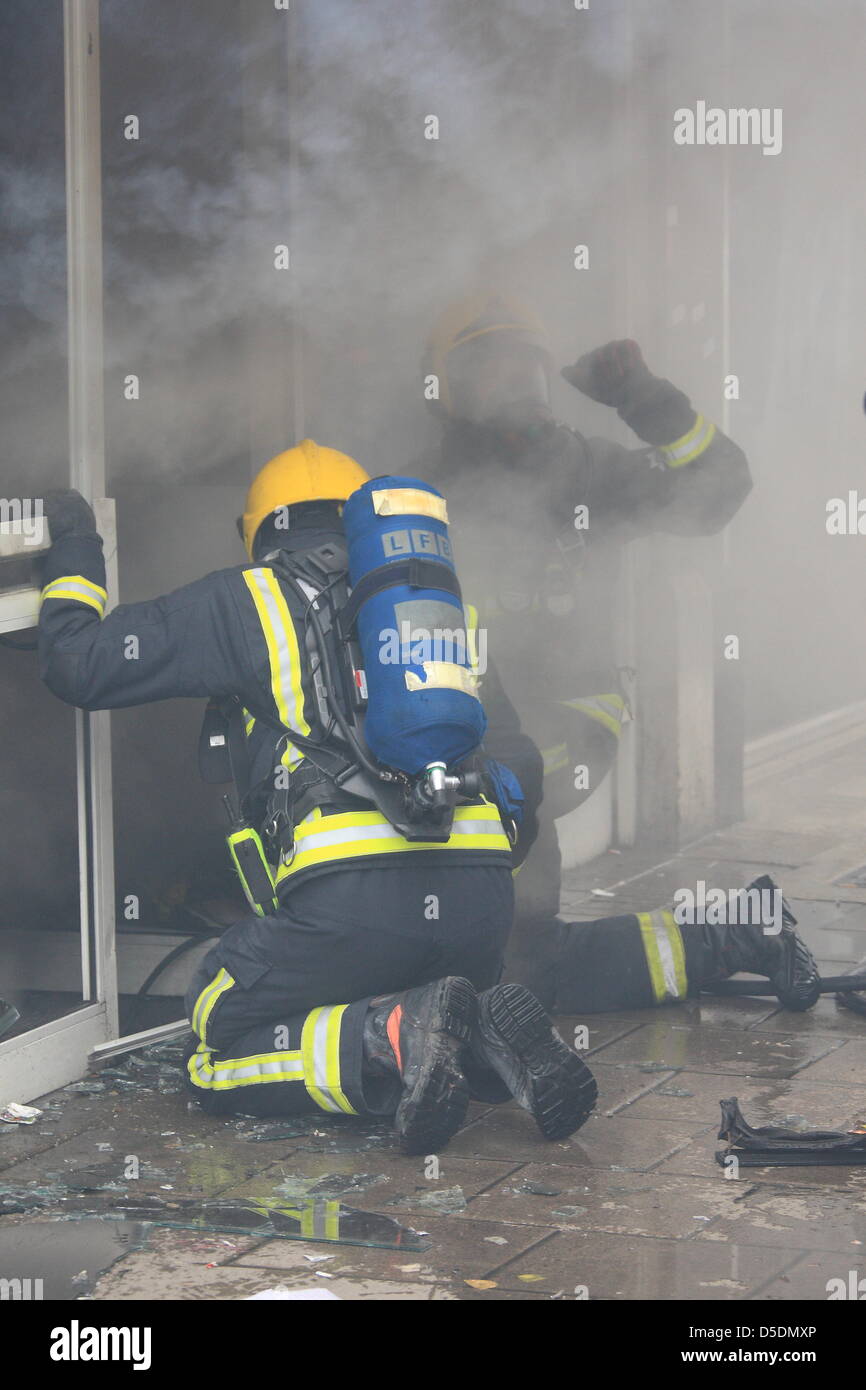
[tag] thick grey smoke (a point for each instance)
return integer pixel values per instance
(260, 127)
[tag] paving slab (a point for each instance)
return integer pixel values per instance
(597, 1200)
(793, 1217)
(459, 1249)
(775, 849)
(603, 1142)
(695, 1096)
(825, 1017)
(640, 1267)
(175, 1267)
(592, 1032)
(720, 1011)
(847, 1068)
(619, 1086)
(816, 1275)
(721, 1050)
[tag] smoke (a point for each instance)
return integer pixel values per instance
(307, 128)
(382, 224)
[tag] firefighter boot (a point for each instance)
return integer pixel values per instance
(515, 1048)
(9, 1015)
(783, 957)
(417, 1038)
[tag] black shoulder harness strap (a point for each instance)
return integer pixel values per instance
(418, 573)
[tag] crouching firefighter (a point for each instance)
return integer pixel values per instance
(373, 834)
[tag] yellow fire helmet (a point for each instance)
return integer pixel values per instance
(308, 472)
(486, 311)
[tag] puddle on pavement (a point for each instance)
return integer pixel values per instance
(312, 1219)
(315, 1219)
(64, 1261)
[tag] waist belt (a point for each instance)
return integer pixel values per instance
(323, 839)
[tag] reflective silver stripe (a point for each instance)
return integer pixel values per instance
(76, 581)
(288, 1066)
(320, 1220)
(670, 959)
(320, 1049)
(684, 450)
(79, 591)
(666, 955)
(320, 1059)
(289, 697)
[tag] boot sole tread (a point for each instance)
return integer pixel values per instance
(560, 1089)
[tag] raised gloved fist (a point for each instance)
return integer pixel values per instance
(67, 513)
(611, 375)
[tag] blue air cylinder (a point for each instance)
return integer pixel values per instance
(422, 703)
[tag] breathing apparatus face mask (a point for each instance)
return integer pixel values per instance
(500, 382)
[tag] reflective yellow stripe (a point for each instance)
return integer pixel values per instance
(199, 1068)
(690, 446)
(470, 618)
(605, 709)
(282, 644)
(75, 586)
(408, 501)
(206, 1000)
(555, 758)
(462, 338)
(320, 1049)
(78, 579)
(665, 957)
(291, 756)
(351, 834)
(443, 675)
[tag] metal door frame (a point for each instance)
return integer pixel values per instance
(57, 1052)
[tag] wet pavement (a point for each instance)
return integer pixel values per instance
(121, 1190)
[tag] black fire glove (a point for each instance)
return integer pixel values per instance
(612, 375)
(67, 513)
(617, 375)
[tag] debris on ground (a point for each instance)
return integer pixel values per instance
(301, 1295)
(15, 1114)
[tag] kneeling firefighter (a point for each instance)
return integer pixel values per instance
(374, 837)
